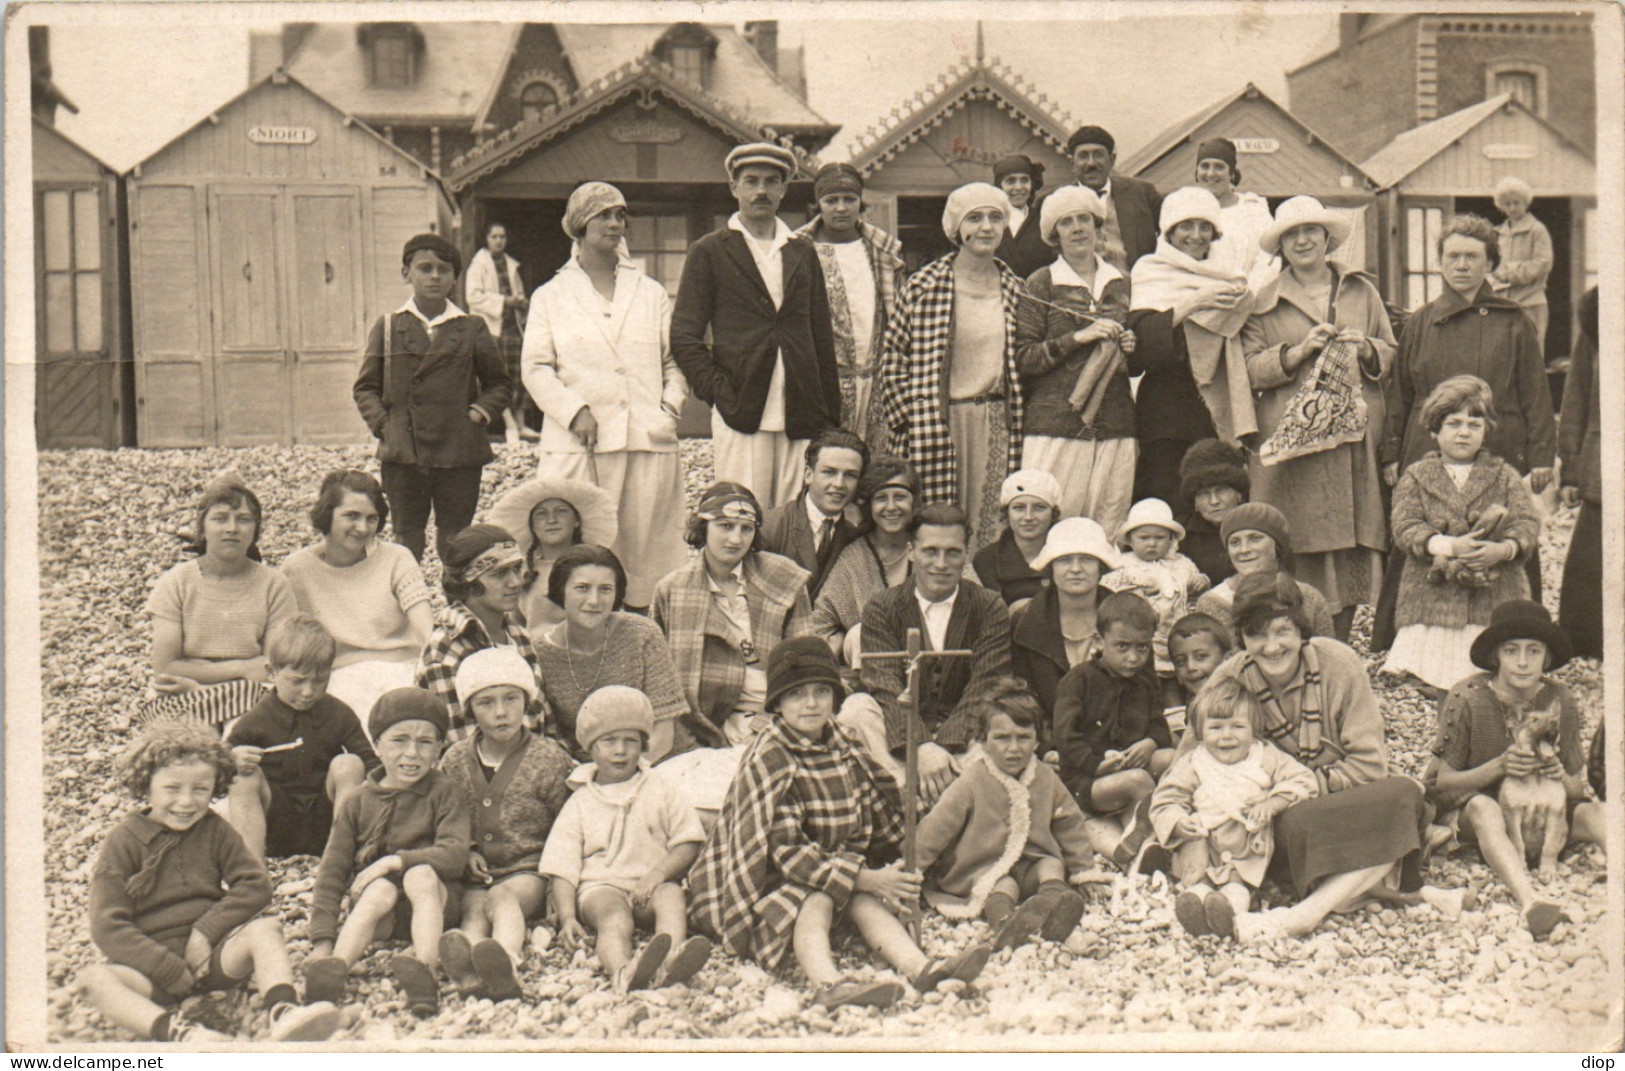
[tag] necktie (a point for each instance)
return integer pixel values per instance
(826, 533)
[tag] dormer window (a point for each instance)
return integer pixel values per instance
(1526, 82)
(690, 50)
(394, 53)
(535, 98)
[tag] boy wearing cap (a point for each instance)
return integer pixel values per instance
(399, 845)
(1159, 574)
(759, 290)
(863, 271)
(431, 381)
(513, 784)
(621, 847)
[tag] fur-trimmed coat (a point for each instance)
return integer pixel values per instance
(1427, 503)
(919, 344)
(708, 651)
(986, 822)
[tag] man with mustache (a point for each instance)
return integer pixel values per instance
(1132, 206)
(758, 288)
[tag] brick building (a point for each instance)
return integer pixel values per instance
(1390, 73)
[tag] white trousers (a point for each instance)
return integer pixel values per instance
(768, 462)
(650, 507)
(1096, 475)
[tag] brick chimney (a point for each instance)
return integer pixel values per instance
(764, 37)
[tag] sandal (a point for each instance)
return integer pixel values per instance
(417, 982)
(457, 957)
(1019, 928)
(963, 967)
(858, 995)
(1221, 914)
(642, 970)
(1065, 912)
(685, 963)
(495, 970)
(1191, 912)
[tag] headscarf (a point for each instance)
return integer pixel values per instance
(586, 201)
(837, 178)
(726, 499)
(967, 199)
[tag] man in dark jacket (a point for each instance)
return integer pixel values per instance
(768, 370)
(813, 528)
(1132, 206)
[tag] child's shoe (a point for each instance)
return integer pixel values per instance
(963, 967)
(644, 966)
(1542, 918)
(304, 1022)
(457, 959)
(1191, 912)
(858, 995)
(325, 978)
(1019, 928)
(1221, 915)
(495, 969)
(1065, 912)
(184, 1031)
(417, 982)
(685, 963)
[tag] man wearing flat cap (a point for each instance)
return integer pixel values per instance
(1132, 206)
(759, 290)
(863, 270)
(1023, 248)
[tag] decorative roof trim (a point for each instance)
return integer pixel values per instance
(645, 75)
(494, 91)
(955, 88)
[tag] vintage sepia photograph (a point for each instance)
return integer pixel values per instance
(814, 526)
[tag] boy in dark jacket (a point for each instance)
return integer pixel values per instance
(430, 402)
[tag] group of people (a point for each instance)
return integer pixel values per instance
(1134, 604)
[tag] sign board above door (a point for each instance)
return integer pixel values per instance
(281, 135)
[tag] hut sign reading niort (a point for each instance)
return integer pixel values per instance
(281, 135)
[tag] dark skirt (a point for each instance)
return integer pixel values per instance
(1376, 823)
(1580, 607)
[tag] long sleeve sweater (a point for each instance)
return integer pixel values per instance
(426, 822)
(205, 880)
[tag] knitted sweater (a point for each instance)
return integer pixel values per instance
(329, 729)
(221, 617)
(986, 822)
(615, 834)
(363, 605)
(635, 654)
(513, 812)
(204, 879)
(425, 822)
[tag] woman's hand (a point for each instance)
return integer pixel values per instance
(937, 771)
(1221, 294)
(1099, 331)
(170, 684)
(256, 670)
(1312, 343)
(891, 885)
(1126, 342)
(585, 428)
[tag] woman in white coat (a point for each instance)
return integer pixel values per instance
(597, 361)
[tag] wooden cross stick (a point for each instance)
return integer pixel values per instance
(912, 655)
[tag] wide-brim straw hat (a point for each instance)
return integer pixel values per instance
(1077, 535)
(599, 523)
(1149, 511)
(1521, 619)
(1301, 211)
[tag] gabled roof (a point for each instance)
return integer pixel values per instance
(644, 75)
(1179, 133)
(967, 81)
(50, 131)
(1397, 160)
(462, 61)
(739, 75)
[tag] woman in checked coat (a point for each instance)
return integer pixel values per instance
(952, 394)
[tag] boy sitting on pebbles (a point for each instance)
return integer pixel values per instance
(621, 846)
(810, 834)
(407, 832)
(513, 783)
(176, 901)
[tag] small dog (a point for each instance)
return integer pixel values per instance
(1447, 570)
(1536, 806)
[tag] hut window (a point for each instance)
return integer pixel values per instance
(690, 50)
(70, 236)
(660, 241)
(394, 53)
(536, 98)
(1424, 278)
(1525, 82)
(689, 62)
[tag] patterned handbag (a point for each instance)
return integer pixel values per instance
(1328, 410)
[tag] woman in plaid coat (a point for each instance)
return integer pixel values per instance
(810, 833)
(952, 397)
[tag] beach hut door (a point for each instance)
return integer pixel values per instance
(327, 325)
(251, 322)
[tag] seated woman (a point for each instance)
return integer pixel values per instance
(368, 594)
(547, 516)
(1057, 629)
(598, 644)
(1259, 540)
(1031, 502)
(1319, 708)
(1213, 481)
(887, 495)
(210, 615)
(723, 614)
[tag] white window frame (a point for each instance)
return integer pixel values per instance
(1493, 71)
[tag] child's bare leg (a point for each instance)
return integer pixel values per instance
(343, 773)
(428, 898)
(811, 940)
(375, 901)
(1161, 759)
(476, 924)
(1104, 833)
(1190, 866)
(608, 914)
(511, 901)
(1119, 791)
(246, 803)
(259, 947)
(886, 934)
(123, 995)
(1334, 893)
(1589, 826)
(1490, 828)
(1239, 895)
(671, 915)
